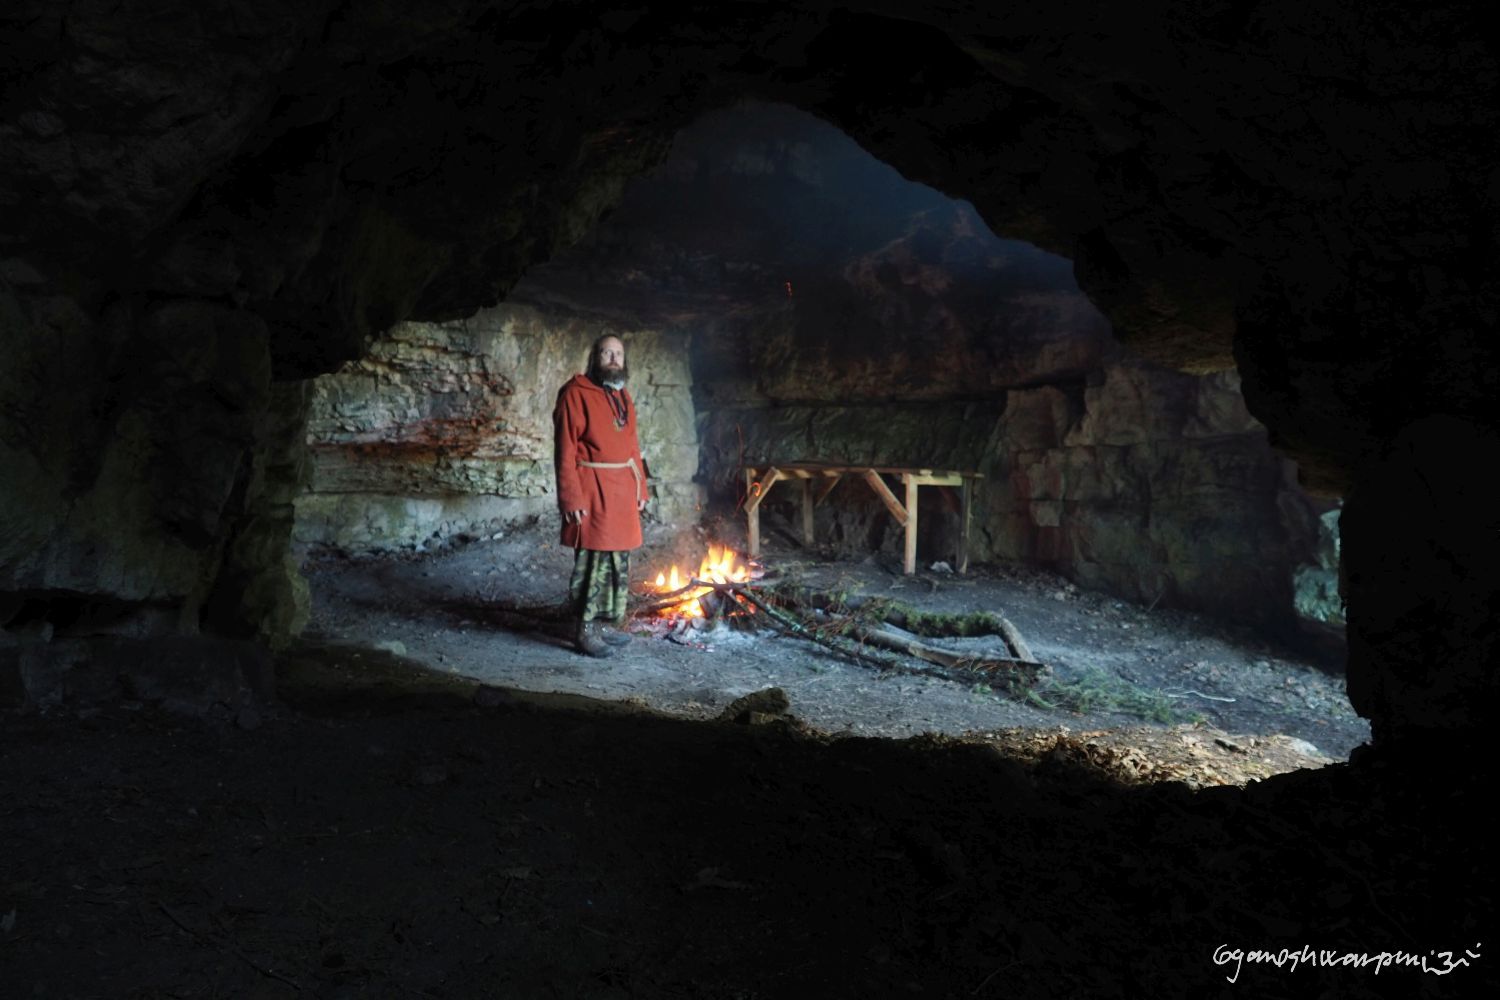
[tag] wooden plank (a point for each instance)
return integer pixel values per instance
(752, 516)
(938, 479)
(899, 470)
(965, 504)
(827, 488)
(884, 493)
(911, 524)
(814, 469)
(807, 512)
(752, 502)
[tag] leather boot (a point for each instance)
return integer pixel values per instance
(586, 638)
(614, 633)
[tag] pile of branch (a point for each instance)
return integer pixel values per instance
(899, 627)
(856, 631)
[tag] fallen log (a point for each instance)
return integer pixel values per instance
(932, 624)
(1013, 639)
(943, 657)
(799, 596)
(937, 624)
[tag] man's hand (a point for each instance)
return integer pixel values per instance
(641, 505)
(575, 516)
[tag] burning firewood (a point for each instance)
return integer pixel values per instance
(694, 590)
(723, 588)
(719, 570)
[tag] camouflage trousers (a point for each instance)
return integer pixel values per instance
(599, 586)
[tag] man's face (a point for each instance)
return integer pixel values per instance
(609, 360)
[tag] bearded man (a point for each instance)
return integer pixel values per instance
(601, 491)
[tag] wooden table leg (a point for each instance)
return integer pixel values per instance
(965, 503)
(911, 522)
(754, 494)
(807, 512)
(886, 496)
(752, 515)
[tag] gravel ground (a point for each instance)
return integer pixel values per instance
(443, 610)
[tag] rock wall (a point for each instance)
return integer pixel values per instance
(259, 591)
(445, 429)
(150, 461)
(1304, 191)
(1155, 485)
(1319, 595)
(128, 439)
(909, 334)
(1150, 484)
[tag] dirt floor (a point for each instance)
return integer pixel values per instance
(1112, 664)
(525, 823)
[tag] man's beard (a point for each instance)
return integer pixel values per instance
(613, 377)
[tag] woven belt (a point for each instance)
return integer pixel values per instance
(629, 463)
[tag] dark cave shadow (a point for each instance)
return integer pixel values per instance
(859, 862)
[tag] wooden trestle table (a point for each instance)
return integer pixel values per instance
(818, 480)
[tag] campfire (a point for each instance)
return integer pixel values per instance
(724, 588)
(706, 594)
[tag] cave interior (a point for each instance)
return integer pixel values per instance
(1193, 287)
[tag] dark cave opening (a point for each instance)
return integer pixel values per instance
(785, 297)
(817, 295)
(206, 216)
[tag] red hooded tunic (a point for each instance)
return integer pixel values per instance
(584, 431)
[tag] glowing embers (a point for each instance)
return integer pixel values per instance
(703, 594)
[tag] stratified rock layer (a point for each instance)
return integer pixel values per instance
(446, 429)
(1189, 509)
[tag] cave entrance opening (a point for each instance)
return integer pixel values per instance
(786, 296)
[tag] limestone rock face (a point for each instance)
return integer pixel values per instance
(1160, 487)
(1317, 583)
(150, 464)
(259, 591)
(429, 410)
(910, 335)
(446, 429)
(128, 445)
(1183, 502)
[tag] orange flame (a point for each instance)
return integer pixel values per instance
(720, 566)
